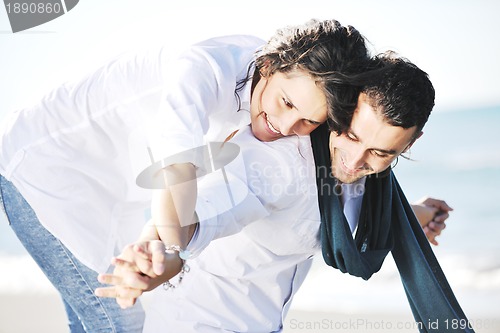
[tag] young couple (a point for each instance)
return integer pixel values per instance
(69, 166)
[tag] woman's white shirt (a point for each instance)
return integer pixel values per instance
(75, 157)
(250, 258)
(76, 154)
(255, 255)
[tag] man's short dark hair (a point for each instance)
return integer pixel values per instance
(398, 89)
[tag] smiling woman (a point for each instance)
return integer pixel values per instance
(287, 104)
(91, 137)
(253, 257)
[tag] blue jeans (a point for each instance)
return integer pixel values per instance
(74, 281)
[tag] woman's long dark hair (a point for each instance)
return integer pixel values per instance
(327, 51)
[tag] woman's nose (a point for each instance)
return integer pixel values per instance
(289, 124)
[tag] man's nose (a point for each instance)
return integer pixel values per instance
(357, 159)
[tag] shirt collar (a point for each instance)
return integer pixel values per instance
(353, 190)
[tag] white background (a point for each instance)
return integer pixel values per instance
(455, 41)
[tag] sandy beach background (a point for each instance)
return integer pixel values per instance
(457, 159)
(44, 312)
(328, 302)
(21, 312)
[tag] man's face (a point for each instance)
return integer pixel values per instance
(369, 146)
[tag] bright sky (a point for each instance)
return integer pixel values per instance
(454, 41)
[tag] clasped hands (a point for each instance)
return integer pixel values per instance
(144, 265)
(141, 267)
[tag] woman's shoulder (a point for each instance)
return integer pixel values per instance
(228, 55)
(236, 47)
(243, 41)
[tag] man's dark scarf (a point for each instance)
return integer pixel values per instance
(386, 224)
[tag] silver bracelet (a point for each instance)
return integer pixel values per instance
(184, 255)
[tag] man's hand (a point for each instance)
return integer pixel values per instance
(141, 267)
(432, 214)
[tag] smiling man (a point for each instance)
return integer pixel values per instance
(391, 111)
(369, 145)
(245, 273)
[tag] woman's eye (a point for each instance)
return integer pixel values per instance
(313, 122)
(287, 103)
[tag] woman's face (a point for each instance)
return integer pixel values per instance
(286, 104)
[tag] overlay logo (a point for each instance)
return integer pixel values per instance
(28, 14)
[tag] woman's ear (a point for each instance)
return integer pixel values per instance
(257, 77)
(265, 69)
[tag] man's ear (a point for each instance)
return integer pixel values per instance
(415, 137)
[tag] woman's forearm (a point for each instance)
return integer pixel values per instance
(173, 208)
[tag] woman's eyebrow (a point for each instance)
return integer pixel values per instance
(289, 100)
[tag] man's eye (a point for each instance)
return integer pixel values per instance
(351, 137)
(379, 154)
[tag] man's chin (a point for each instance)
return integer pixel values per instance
(348, 179)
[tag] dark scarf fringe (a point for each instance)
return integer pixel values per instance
(387, 224)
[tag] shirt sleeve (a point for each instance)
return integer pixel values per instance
(259, 181)
(197, 84)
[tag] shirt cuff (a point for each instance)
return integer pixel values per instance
(205, 229)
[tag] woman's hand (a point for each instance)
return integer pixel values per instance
(141, 267)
